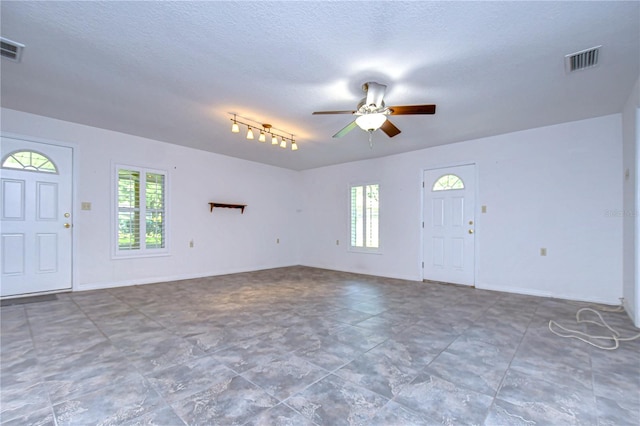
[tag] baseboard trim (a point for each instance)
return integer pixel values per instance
(164, 279)
(366, 273)
(539, 293)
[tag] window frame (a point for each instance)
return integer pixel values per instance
(143, 251)
(33, 168)
(363, 249)
(447, 175)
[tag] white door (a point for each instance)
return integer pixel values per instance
(36, 197)
(449, 225)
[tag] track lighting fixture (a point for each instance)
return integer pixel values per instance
(264, 129)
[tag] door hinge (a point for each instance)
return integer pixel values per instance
(423, 224)
(423, 184)
(422, 265)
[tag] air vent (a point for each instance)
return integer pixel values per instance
(582, 60)
(10, 49)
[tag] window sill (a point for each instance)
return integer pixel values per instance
(120, 256)
(364, 250)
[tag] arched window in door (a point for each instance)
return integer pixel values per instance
(447, 183)
(29, 160)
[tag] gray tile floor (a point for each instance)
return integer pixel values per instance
(305, 346)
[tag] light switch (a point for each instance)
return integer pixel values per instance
(85, 205)
(484, 209)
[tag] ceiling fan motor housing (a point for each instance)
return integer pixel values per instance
(363, 108)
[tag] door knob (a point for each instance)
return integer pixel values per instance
(67, 225)
(471, 231)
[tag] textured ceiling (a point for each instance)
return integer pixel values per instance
(172, 71)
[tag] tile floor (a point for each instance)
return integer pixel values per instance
(304, 346)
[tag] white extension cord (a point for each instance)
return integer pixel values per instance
(590, 339)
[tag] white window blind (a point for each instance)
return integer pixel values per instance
(365, 205)
(141, 211)
(154, 196)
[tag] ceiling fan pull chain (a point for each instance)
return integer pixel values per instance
(370, 142)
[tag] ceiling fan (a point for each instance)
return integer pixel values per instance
(372, 112)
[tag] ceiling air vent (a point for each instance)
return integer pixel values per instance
(10, 49)
(581, 60)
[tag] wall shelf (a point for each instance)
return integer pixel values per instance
(228, 206)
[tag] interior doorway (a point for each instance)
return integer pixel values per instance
(36, 248)
(449, 225)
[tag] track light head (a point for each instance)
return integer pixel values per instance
(234, 127)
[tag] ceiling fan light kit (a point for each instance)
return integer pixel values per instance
(372, 113)
(371, 122)
(264, 129)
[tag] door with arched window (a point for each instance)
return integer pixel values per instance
(36, 214)
(449, 225)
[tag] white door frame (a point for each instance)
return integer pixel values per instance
(477, 221)
(74, 197)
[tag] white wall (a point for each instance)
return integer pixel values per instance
(225, 241)
(631, 203)
(556, 187)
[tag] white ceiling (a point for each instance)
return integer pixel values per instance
(172, 71)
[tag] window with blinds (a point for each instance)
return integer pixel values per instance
(141, 211)
(365, 204)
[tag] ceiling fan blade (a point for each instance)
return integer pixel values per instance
(333, 112)
(389, 128)
(349, 127)
(375, 93)
(412, 109)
